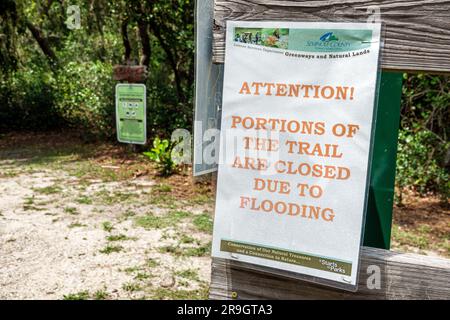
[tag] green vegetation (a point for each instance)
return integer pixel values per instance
(167, 294)
(162, 188)
(188, 274)
(424, 149)
(204, 222)
(107, 226)
(76, 225)
(152, 263)
(161, 154)
(197, 251)
(54, 76)
(49, 190)
(422, 237)
(83, 295)
(83, 200)
(71, 210)
(131, 287)
(101, 295)
(111, 249)
(119, 237)
(151, 221)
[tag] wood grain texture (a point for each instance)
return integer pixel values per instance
(417, 32)
(404, 276)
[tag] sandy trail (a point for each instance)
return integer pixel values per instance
(61, 238)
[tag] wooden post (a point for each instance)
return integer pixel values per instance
(403, 276)
(416, 39)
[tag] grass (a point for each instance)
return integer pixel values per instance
(189, 274)
(76, 225)
(418, 238)
(130, 270)
(128, 214)
(101, 295)
(29, 205)
(163, 200)
(108, 198)
(119, 237)
(84, 200)
(163, 188)
(82, 295)
(142, 276)
(107, 226)
(421, 238)
(167, 294)
(131, 287)
(200, 251)
(204, 223)
(111, 249)
(152, 263)
(70, 210)
(48, 190)
(151, 221)
(85, 295)
(185, 239)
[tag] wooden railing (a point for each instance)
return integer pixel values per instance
(416, 38)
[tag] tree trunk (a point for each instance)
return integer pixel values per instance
(171, 57)
(145, 42)
(42, 41)
(126, 40)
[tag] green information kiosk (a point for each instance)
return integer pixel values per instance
(131, 110)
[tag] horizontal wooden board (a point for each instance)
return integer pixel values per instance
(403, 276)
(417, 32)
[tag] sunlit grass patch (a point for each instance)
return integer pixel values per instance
(119, 237)
(82, 295)
(204, 222)
(189, 274)
(101, 295)
(178, 294)
(163, 200)
(415, 238)
(84, 200)
(30, 205)
(111, 249)
(177, 250)
(163, 188)
(55, 189)
(76, 225)
(151, 221)
(131, 287)
(71, 210)
(107, 226)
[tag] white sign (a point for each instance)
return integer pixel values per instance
(298, 113)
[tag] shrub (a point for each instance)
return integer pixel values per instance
(419, 164)
(85, 97)
(161, 154)
(27, 101)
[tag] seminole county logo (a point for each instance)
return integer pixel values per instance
(326, 40)
(329, 36)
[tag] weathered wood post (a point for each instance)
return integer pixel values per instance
(416, 38)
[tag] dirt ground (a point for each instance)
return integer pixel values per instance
(422, 225)
(95, 221)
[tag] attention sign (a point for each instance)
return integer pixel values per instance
(297, 122)
(131, 113)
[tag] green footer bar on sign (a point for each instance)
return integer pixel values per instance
(280, 255)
